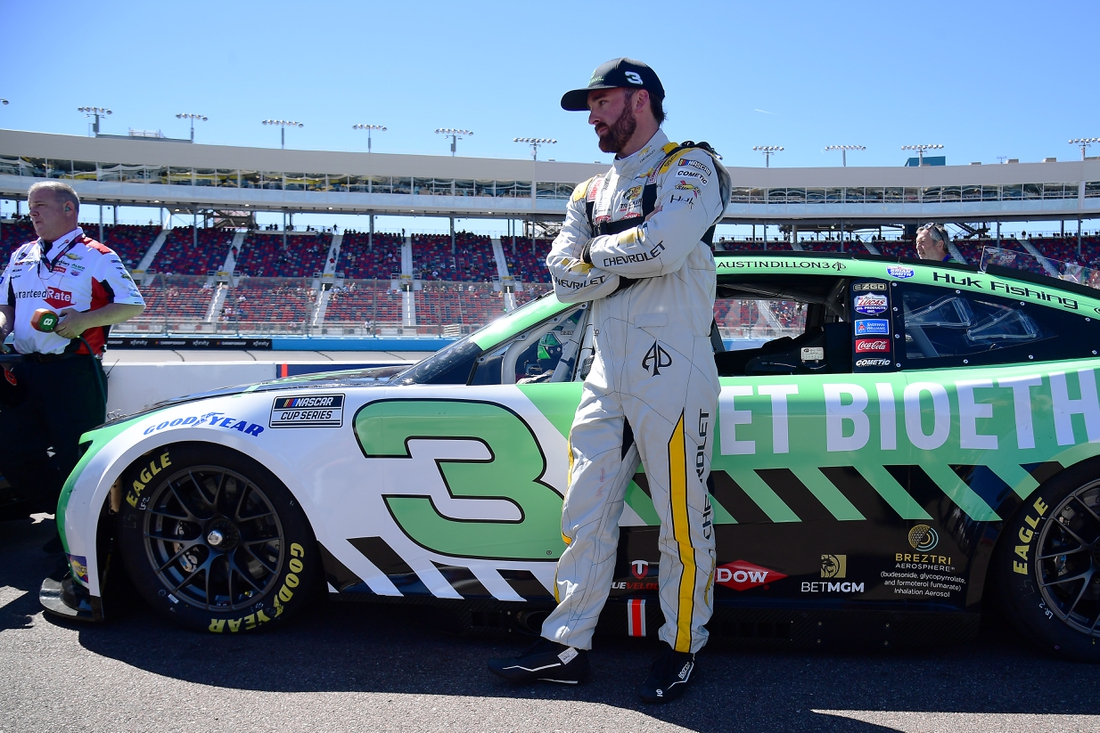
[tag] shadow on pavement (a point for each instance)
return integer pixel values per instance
(341, 647)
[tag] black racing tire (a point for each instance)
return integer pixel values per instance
(214, 541)
(1048, 564)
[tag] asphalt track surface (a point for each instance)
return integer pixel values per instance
(353, 667)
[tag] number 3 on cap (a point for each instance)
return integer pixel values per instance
(633, 78)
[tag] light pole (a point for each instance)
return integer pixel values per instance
(1084, 142)
(768, 151)
(534, 143)
(844, 151)
(192, 117)
(455, 136)
(368, 128)
(94, 112)
(920, 150)
(283, 124)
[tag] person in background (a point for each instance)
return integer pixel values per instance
(58, 391)
(932, 242)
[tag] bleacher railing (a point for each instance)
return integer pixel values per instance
(229, 306)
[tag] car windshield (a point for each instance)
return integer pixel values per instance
(452, 364)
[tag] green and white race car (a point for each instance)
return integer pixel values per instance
(899, 446)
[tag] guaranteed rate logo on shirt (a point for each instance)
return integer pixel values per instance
(58, 298)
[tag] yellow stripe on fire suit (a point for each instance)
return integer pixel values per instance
(568, 482)
(677, 492)
(668, 162)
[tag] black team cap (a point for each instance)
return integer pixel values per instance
(624, 72)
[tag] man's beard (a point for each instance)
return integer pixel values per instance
(619, 132)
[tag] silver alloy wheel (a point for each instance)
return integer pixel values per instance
(1067, 567)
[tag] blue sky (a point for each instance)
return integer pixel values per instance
(985, 79)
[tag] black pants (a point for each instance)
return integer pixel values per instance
(58, 401)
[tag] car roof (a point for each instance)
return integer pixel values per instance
(995, 280)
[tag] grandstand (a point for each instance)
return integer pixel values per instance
(204, 279)
(266, 254)
(192, 251)
(358, 260)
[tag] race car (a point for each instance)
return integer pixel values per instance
(899, 447)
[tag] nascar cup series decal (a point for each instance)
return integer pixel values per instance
(314, 411)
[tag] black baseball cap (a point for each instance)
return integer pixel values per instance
(624, 72)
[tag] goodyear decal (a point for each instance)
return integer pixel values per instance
(209, 419)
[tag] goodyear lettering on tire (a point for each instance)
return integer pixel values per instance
(278, 600)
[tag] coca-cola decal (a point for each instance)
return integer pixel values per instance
(872, 346)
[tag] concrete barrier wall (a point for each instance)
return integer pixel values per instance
(132, 387)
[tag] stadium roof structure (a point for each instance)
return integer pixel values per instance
(160, 173)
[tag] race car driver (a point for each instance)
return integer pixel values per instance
(58, 390)
(636, 244)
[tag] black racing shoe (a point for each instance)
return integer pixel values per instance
(546, 661)
(669, 676)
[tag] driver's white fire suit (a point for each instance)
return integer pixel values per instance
(652, 391)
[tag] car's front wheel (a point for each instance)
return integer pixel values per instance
(1049, 564)
(214, 541)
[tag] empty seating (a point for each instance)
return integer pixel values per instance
(269, 300)
(130, 241)
(262, 254)
(474, 260)
(180, 254)
(526, 263)
(360, 302)
(358, 261)
(14, 234)
(432, 257)
(174, 299)
(470, 305)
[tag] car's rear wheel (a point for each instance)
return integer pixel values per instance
(214, 541)
(1049, 564)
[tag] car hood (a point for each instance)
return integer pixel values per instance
(372, 377)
